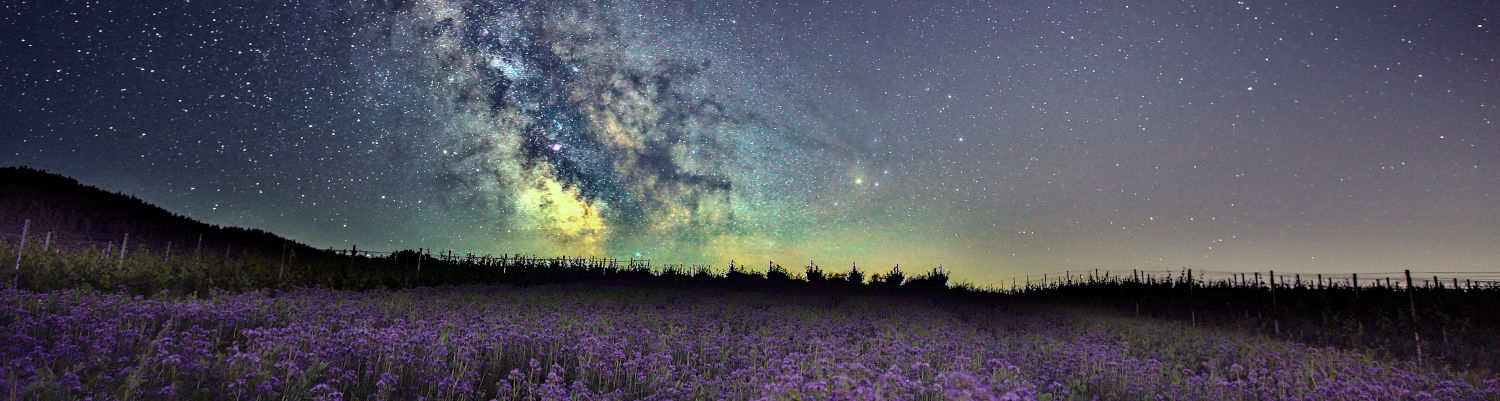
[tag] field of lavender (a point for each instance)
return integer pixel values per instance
(591, 341)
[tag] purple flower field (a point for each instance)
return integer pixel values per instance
(598, 342)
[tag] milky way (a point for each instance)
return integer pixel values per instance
(590, 125)
(549, 113)
(999, 139)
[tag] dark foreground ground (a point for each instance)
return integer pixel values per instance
(591, 341)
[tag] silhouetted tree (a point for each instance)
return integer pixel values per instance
(736, 272)
(936, 280)
(892, 279)
(776, 272)
(855, 276)
(815, 274)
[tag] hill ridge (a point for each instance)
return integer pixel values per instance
(77, 212)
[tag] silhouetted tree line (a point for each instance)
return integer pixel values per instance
(1453, 324)
(148, 271)
(206, 256)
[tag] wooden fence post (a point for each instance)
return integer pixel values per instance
(15, 280)
(1192, 312)
(123, 243)
(1354, 281)
(1417, 334)
(1272, 276)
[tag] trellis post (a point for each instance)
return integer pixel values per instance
(1412, 299)
(123, 243)
(15, 280)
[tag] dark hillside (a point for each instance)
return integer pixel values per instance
(76, 213)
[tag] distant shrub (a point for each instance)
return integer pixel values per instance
(814, 274)
(854, 277)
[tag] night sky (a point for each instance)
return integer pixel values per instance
(995, 138)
